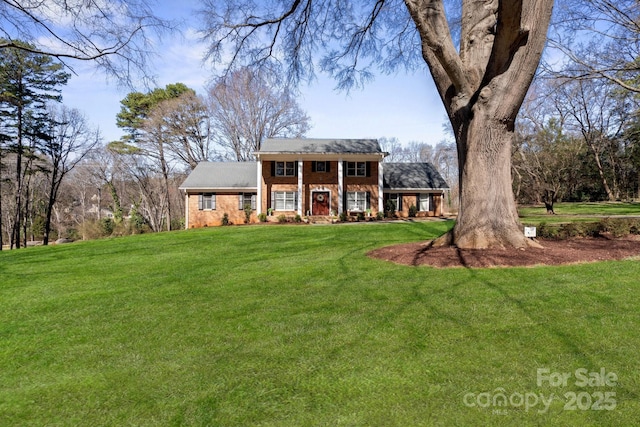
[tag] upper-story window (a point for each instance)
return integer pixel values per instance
(356, 168)
(285, 168)
(320, 166)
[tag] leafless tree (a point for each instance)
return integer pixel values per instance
(601, 39)
(248, 107)
(392, 147)
(599, 114)
(115, 34)
(70, 140)
(482, 81)
(188, 129)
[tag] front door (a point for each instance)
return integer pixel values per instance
(320, 203)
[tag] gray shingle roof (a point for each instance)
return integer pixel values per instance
(398, 176)
(317, 146)
(222, 175)
(243, 175)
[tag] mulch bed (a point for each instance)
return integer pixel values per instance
(555, 252)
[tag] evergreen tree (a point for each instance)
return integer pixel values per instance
(28, 81)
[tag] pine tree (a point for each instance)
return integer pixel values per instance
(28, 81)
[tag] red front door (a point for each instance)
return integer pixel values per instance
(320, 203)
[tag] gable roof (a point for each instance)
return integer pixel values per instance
(320, 146)
(412, 176)
(221, 176)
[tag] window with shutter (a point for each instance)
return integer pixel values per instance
(206, 201)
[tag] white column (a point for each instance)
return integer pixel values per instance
(259, 182)
(300, 164)
(380, 187)
(340, 185)
(186, 210)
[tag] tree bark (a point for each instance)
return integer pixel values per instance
(488, 216)
(482, 89)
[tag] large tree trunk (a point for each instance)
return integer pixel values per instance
(487, 216)
(482, 88)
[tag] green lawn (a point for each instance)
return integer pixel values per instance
(573, 212)
(295, 326)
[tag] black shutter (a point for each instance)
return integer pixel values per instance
(328, 166)
(368, 169)
(273, 168)
(368, 203)
(313, 166)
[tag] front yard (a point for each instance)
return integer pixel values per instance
(288, 325)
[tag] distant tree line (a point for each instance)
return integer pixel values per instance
(578, 131)
(59, 179)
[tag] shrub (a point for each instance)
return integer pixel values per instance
(225, 219)
(547, 231)
(389, 208)
(262, 217)
(297, 219)
(136, 220)
(343, 216)
(380, 216)
(247, 214)
(619, 227)
(360, 216)
(106, 226)
(413, 211)
(282, 218)
(177, 224)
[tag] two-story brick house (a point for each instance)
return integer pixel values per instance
(310, 177)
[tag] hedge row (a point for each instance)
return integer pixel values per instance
(616, 227)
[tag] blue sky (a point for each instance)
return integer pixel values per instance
(405, 106)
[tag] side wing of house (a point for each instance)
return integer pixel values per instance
(216, 189)
(413, 186)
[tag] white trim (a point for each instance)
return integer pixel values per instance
(367, 196)
(300, 170)
(293, 156)
(380, 187)
(186, 208)
(259, 192)
(319, 190)
(415, 190)
(196, 190)
(340, 187)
